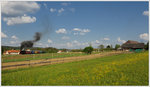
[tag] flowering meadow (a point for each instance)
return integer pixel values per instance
(121, 69)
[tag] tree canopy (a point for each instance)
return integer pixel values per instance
(117, 46)
(147, 46)
(101, 47)
(88, 49)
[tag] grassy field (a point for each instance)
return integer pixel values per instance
(14, 58)
(122, 69)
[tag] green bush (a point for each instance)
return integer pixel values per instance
(88, 50)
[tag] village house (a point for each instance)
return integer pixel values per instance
(12, 52)
(59, 51)
(132, 45)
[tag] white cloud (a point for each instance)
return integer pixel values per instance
(41, 44)
(144, 36)
(19, 20)
(65, 38)
(106, 39)
(80, 31)
(69, 44)
(62, 30)
(3, 35)
(97, 41)
(38, 44)
(75, 44)
(52, 10)
(85, 44)
(45, 5)
(49, 41)
(14, 42)
(17, 8)
(75, 41)
(61, 10)
(14, 12)
(85, 30)
(120, 41)
(14, 37)
(77, 29)
(46, 45)
(146, 13)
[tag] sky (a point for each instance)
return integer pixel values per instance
(74, 25)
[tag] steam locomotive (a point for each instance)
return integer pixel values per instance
(31, 52)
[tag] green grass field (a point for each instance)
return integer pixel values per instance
(14, 58)
(122, 69)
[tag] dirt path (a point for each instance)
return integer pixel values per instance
(33, 63)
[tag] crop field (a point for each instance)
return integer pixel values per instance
(121, 69)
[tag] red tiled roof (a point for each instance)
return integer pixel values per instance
(13, 51)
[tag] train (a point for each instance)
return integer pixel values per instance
(31, 52)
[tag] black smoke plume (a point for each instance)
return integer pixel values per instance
(37, 36)
(47, 27)
(30, 43)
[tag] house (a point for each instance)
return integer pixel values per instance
(132, 45)
(59, 51)
(119, 48)
(12, 52)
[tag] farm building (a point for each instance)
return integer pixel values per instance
(12, 52)
(132, 45)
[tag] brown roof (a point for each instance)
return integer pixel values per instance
(131, 42)
(132, 45)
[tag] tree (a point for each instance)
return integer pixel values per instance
(51, 50)
(108, 47)
(117, 46)
(88, 49)
(101, 47)
(2, 51)
(147, 46)
(76, 50)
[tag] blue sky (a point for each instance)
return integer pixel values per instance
(74, 24)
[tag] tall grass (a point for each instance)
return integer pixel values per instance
(122, 69)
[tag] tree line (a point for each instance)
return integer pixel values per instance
(47, 49)
(101, 47)
(87, 49)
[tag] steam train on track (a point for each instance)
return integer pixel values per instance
(31, 52)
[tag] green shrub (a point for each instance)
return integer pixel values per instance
(88, 50)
